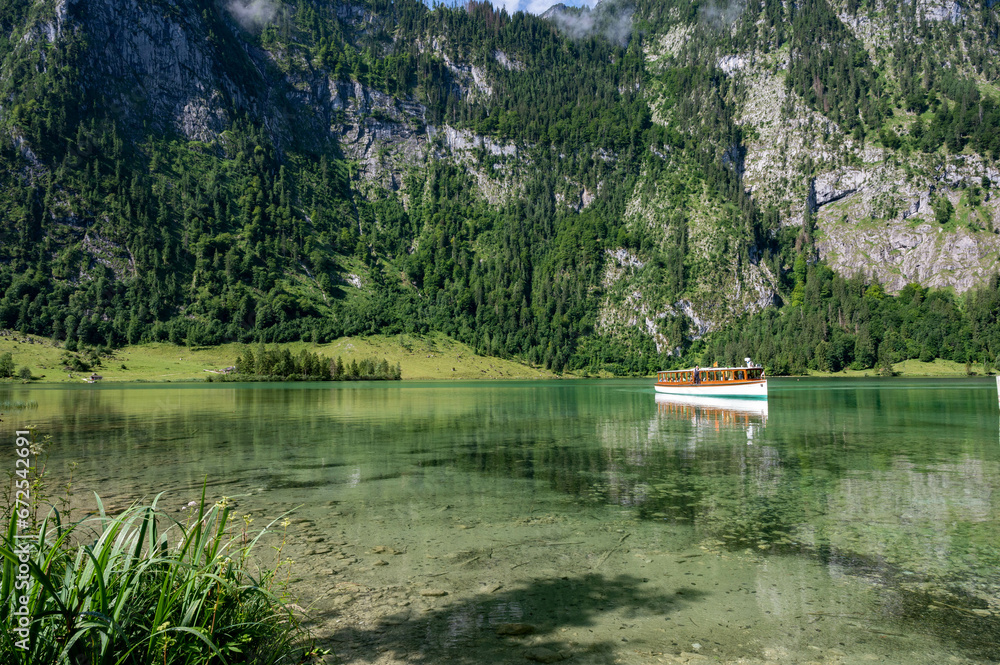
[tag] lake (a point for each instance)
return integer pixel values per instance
(845, 521)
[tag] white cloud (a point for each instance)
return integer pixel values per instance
(252, 13)
(538, 6)
(612, 20)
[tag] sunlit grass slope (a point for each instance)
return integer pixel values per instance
(430, 357)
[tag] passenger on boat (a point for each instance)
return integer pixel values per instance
(697, 375)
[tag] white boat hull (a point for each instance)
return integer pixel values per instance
(745, 390)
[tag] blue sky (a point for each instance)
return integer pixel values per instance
(537, 6)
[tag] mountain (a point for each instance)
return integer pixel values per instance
(612, 189)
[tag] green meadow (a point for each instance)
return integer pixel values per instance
(426, 357)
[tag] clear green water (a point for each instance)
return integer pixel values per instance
(855, 521)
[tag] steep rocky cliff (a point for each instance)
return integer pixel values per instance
(872, 205)
(866, 205)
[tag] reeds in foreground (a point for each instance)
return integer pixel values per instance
(121, 590)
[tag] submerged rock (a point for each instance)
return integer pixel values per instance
(515, 629)
(544, 655)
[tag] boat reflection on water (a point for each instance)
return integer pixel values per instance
(716, 413)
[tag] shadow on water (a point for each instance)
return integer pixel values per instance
(967, 624)
(556, 615)
(939, 604)
(915, 603)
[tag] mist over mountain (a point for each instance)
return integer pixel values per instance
(610, 20)
(606, 189)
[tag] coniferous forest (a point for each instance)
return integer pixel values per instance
(121, 225)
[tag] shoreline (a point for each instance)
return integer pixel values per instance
(854, 374)
(433, 357)
(421, 358)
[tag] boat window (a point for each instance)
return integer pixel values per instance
(739, 375)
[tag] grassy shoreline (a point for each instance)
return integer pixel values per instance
(427, 357)
(421, 358)
(913, 369)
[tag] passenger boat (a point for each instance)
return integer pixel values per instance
(746, 382)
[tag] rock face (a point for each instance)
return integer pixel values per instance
(783, 140)
(872, 210)
(898, 254)
(940, 10)
(176, 66)
(150, 63)
(834, 185)
(383, 134)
